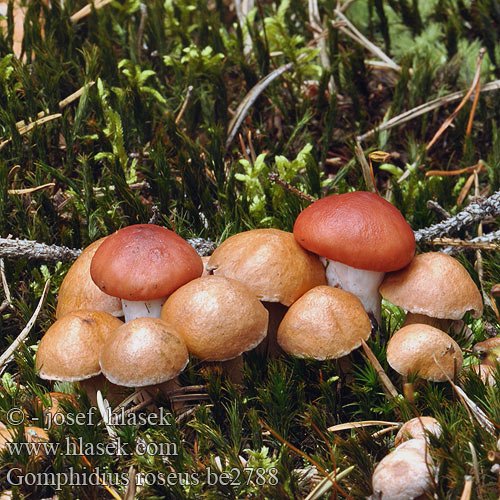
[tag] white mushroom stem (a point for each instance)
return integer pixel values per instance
(146, 309)
(364, 284)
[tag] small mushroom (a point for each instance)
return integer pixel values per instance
(219, 318)
(361, 237)
(433, 288)
(418, 428)
(426, 351)
(274, 266)
(325, 323)
(142, 264)
(32, 434)
(488, 350)
(144, 352)
(70, 349)
(404, 474)
(78, 291)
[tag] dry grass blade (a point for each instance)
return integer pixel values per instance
(422, 109)
(31, 190)
(350, 30)
(365, 168)
(364, 423)
(466, 492)
(22, 336)
(250, 98)
(274, 177)
(450, 119)
(326, 484)
(456, 242)
(5, 285)
(132, 484)
(448, 173)
(475, 466)
(105, 411)
(85, 11)
(28, 128)
(387, 385)
(75, 95)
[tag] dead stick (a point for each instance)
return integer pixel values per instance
(274, 177)
(387, 385)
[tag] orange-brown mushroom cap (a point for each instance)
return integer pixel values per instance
(424, 350)
(219, 318)
(144, 262)
(325, 323)
(359, 229)
(142, 352)
(78, 291)
(433, 284)
(70, 349)
(270, 262)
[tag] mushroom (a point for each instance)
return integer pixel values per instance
(424, 350)
(433, 288)
(360, 237)
(143, 264)
(50, 404)
(325, 323)
(219, 318)
(418, 428)
(78, 291)
(144, 352)
(274, 266)
(404, 474)
(32, 434)
(70, 349)
(488, 350)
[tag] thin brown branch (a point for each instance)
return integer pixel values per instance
(387, 385)
(274, 177)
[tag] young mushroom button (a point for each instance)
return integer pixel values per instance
(361, 237)
(325, 323)
(433, 288)
(143, 264)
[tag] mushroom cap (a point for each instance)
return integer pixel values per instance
(358, 229)
(412, 350)
(144, 351)
(404, 474)
(270, 262)
(78, 291)
(219, 318)
(32, 434)
(434, 284)
(144, 262)
(417, 428)
(70, 349)
(325, 323)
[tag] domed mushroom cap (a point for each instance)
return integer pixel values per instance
(78, 291)
(434, 284)
(404, 474)
(32, 434)
(425, 350)
(144, 262)
(325, 323)
(417, 428)
(70, 349)
(270, 262)
(144, 351)
(219, 318)
(359, 229)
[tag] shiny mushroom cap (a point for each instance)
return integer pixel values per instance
(417, 428)
(325, 323)
(404, 474)
(424, 350)
(78, 291)
(436, 285)
(270, 262)
(144, 262)
(359, 229)
(70, 349)
(219, 318)
(142, 352)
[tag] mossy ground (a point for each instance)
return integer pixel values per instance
(124, 147)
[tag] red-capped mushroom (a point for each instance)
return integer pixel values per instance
(361, 236)
(143, 264)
